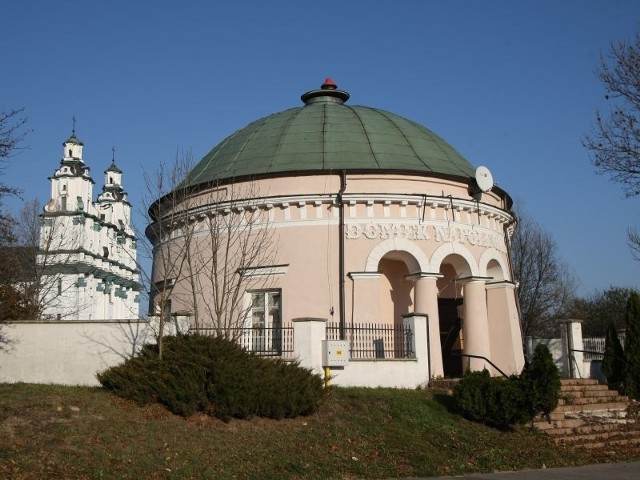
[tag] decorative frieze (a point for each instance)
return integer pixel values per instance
(456, 233)
(420, 217)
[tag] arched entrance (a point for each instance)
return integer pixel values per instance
(396, 291)
(450, 311)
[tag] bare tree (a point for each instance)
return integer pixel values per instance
(207, 247)
(13, 298)
(17, 264)
(601, 309)
(228, 243)
(12, 134)
(545, 283)
(633, 240)
(163, 205)
(614, 141)
(47, 248)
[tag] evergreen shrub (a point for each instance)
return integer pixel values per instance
(632, 347)
(496, 401)
(613, 361)
(541, 382)
(503, 402)
(216, 376)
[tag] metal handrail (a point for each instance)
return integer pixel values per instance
(481, 358)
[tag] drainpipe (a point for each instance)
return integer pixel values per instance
(343, 186)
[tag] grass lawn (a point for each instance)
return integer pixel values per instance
(56, 432)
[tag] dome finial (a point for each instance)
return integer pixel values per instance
(328, 93)
(329, 84)
(73, 129)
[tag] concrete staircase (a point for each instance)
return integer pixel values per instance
(590, 415)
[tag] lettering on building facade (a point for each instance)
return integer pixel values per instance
(458, 233)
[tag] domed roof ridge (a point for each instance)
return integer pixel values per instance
(295, 113)
(328, 135)
(364, 130)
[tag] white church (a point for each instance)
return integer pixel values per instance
(87, 247)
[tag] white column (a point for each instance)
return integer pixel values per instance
(504, 327)
(426, 303)
(475, 324)
(573, 360)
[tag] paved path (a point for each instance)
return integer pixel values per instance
(606, 471)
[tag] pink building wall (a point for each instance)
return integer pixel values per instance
(398, 229)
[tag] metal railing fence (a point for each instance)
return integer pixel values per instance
(594, 346)
(375, 341)
(264, 341)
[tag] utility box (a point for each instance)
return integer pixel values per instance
(335, 353)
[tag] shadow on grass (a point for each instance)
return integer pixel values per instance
(447, 401)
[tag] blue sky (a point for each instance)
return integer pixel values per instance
(510, 84)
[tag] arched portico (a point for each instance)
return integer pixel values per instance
(414, 256)
(455, 265)
(469, 302)
(385, 263)
(493, 264)
(459, 256)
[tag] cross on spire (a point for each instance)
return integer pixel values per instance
(113, 154)
(74, 124)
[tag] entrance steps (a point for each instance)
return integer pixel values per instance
(589, 415)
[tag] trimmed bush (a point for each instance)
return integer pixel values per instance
(495, 401)
(471, 395)
(215, 376)
(503, 402)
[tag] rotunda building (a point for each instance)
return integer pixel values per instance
(346, 213)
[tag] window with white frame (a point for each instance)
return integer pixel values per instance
(266, 321)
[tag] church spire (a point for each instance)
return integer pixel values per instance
(73, 139)
(112, 189)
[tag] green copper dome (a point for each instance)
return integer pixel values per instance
(327, 135)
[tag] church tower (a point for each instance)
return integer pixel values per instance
(87, 254)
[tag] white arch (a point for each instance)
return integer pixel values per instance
(420, 261)
(449, 249)
(493, 254)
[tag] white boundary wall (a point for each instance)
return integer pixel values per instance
(73, 352)
(68, 353)
(397, 373)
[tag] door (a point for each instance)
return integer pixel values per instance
(450, 326)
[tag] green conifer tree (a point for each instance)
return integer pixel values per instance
(614, 361)
(632, 347)
(541, 382)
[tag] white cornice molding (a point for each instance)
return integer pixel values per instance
(266, 271)
(364, 275)
(353, 199)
